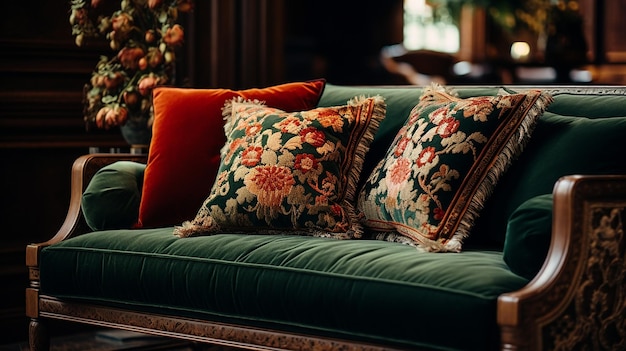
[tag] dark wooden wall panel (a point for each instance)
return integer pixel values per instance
(613, 28)
(41, 84)
(42, 73)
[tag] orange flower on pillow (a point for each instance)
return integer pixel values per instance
(306, 163)
(270, 184)
(251, 156)
(313, 137)
(330, 120)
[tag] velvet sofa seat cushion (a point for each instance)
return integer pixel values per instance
(352, 288)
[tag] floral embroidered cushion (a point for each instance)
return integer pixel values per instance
(187, 136)
(290, 172)
(443, 164)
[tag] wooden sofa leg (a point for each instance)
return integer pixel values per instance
(38, 335)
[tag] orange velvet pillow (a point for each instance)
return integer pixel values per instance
(187, 136)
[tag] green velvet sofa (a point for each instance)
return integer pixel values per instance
(543, 267)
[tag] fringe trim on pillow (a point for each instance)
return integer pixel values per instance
(185, 230)
(369, 130)
(435, 87)
(512, 149)
(203, 224)
(227, 110)
(394, 237)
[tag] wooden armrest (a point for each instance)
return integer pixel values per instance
(578, 298)
(83, 169)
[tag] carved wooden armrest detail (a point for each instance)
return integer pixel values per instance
(578, 299)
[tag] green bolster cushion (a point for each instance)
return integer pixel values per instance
(528, 236)
(578, 134)
(111, 200)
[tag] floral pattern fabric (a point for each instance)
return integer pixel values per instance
(443, 164)
(289, 172)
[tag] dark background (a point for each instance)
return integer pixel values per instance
(233, 44)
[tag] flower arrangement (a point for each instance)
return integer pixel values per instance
(144, 33)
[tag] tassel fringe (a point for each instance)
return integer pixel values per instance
(512, 149)
(377, 115)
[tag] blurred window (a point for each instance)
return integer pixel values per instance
(429, 27)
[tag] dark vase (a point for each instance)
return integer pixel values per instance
(137, 134)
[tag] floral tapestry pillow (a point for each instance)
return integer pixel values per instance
(443, 164)
(289, 172)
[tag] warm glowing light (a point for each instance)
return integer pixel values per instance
(520, 50)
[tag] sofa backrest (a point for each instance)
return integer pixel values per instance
(582, 132)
